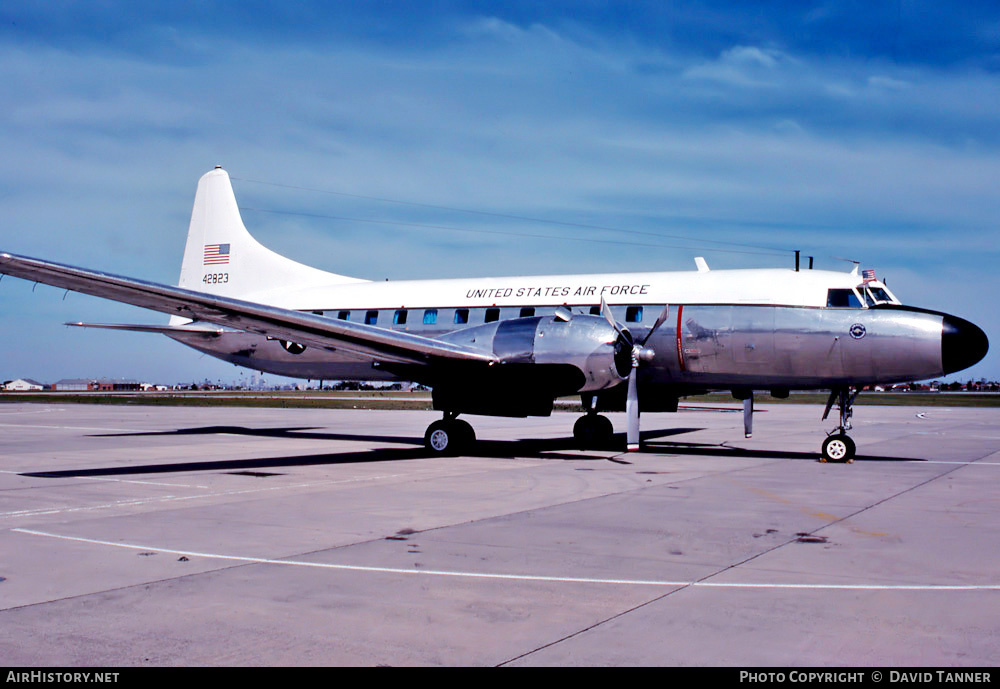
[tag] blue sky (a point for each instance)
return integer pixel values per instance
(836, 128)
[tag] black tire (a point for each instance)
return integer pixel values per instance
(593, 432)
(838, 449)
(466, 434)
(441, 438)
(448, 437)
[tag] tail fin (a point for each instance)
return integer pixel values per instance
(221, 257)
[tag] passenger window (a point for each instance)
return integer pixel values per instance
(344, 315)
(371, 317)
(399, 318)
(842, 299)
(461, 316)
(318, 313)
(430, 316)
(633, 314)
(527, 312)
(492, 315)
(595, 310)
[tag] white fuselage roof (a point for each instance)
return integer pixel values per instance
(750, 286)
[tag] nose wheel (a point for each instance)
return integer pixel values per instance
(449, 436)
(838, 447)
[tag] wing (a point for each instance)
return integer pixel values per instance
(368, 341)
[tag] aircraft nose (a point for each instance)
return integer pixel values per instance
(962, 344)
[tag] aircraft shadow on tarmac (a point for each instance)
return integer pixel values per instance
(723, 450)
(548, 448)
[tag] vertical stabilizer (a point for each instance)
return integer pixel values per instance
(222, 258)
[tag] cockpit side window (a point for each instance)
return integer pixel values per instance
(842, 299)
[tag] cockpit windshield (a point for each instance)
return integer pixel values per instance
(880, 294)
(875, 295)
(849, 298)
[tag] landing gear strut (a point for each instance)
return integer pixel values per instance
(838, 446)
(449, 436)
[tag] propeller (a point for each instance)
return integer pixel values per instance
(639, 353)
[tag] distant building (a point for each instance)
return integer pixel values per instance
(22, 385)
(100, 385)
(115, 385)
(72, 384)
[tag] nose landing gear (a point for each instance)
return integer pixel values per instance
(838, 446)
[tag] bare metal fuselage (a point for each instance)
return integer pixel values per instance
(698, 347)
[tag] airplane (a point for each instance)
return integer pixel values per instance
(509, 346)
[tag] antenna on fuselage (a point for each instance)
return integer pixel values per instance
(797, 252)
(854, 271)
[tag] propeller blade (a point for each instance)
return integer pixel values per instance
(660, 320)
(606, 312)
(748, 416)
(632, 407)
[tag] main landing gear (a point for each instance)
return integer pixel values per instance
(838, 446)
(593, 432)
(449, 436)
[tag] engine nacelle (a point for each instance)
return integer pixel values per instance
(587, 350)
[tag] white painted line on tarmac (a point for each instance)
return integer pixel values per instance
(971, 464)
(41, 511)
(28, 427)
(142, 483)
(47, 410)
(115, 480)
(522, 577)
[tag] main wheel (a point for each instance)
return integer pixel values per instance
(466, 434)
(839, 449)
(593, 432)
(448, 436)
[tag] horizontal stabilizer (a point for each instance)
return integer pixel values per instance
(161, 329)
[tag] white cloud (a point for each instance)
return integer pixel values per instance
(890, 83)
(745, 66)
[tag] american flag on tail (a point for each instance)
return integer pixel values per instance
(216, 254)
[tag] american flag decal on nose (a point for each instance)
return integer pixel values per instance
(216, 254)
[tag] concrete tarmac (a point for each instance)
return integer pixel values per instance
(156, 536)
